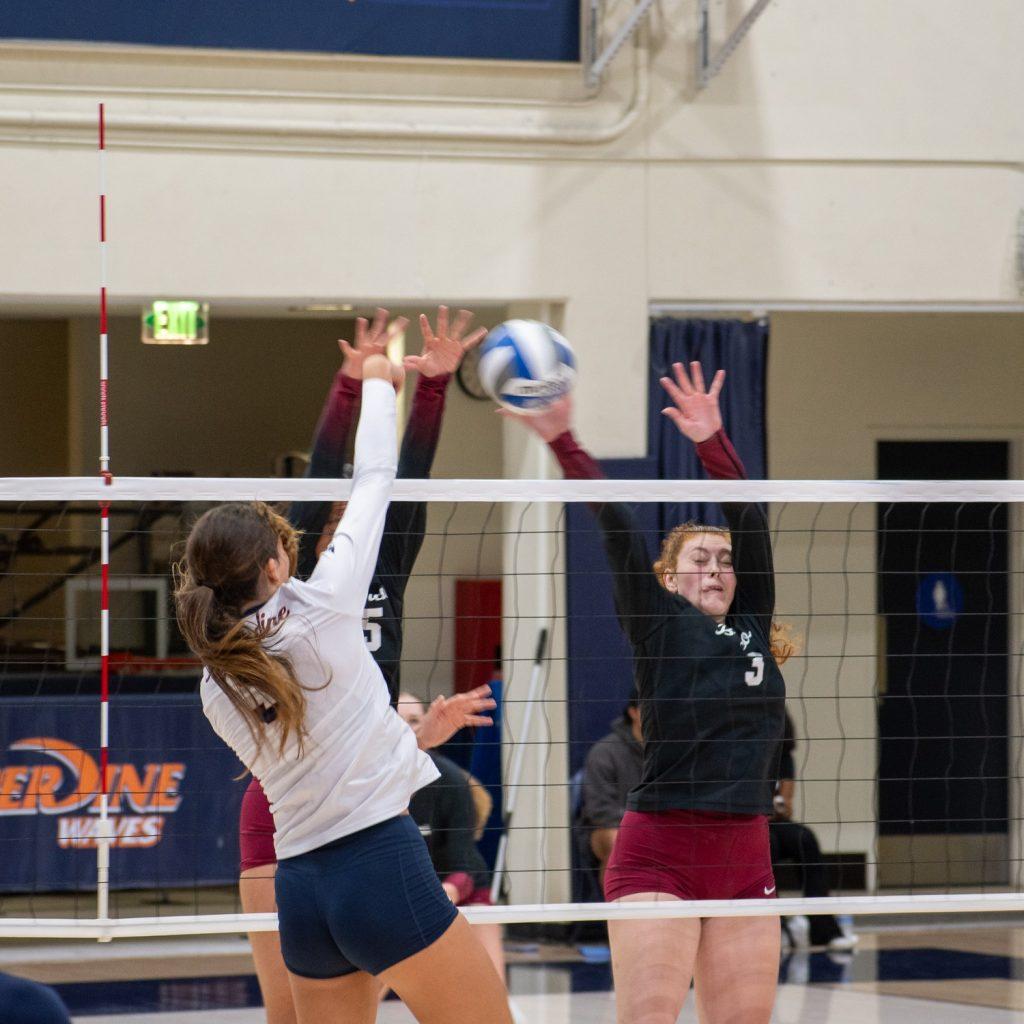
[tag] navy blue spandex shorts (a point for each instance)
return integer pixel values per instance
(362, 903)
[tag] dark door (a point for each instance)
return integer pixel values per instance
(942, 716)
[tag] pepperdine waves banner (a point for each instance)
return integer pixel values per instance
(173, 787)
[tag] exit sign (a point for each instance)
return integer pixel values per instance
(178, 322)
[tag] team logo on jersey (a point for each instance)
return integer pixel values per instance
(380, 595)
(724, 630)
(267, 624)
(745, 637)
(69, 789)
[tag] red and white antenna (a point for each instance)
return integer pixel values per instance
(104, 832)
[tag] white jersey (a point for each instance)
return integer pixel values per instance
(360, 763)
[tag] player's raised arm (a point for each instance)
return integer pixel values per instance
(331, 440)
(444, 346)
(696, 411)
(638, 596)
(348, 563)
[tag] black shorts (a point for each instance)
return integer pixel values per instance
(362, 903)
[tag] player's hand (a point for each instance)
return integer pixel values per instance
(549, 423)
(694, 410)
(444, 347)
(447, 715)
(451, 892)
(372, 339)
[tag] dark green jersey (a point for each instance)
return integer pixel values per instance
(712, 699)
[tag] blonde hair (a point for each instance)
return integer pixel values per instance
(784, 645)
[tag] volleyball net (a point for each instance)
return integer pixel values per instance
(904, 598)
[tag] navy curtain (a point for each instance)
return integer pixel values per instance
(741, 349)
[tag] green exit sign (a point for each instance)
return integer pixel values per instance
(179, 322)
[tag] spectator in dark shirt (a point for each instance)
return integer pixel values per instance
(613, 768)
(791, 841)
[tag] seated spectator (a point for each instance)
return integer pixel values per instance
(797, 843)
(612, 768)
(27, 1002)
(448, 816)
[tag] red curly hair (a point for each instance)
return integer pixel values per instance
(783, 644)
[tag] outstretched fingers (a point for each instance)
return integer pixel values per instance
(674, 391)
(425, 331)
(462, 319)
(675, 416)
(360, 332)
(380, 325)
(474, 339)
(682, 380)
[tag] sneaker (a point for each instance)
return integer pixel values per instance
(797, 969)
(842, 943)
(799, 929)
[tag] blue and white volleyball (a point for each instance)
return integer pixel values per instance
(526, 365)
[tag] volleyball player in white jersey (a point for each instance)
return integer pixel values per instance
(291, 687)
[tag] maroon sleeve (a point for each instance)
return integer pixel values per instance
(719, 458)
(640, 600)
(330, 447)
(748, 524)
(406, 521)
(423, 429)
(576, 462)
(332, 432)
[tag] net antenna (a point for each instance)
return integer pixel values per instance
(104, 831)
(516, 770)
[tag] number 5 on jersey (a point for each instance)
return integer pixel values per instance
(372, 629)
(756, 673)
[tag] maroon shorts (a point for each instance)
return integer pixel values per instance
(694, 855)
(255, 829)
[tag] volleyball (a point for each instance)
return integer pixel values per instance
(525, 365)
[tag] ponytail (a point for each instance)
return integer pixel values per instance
(784, 645)
(225, 556)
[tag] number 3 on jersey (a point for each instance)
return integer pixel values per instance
(372, 629)
(756, 673)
